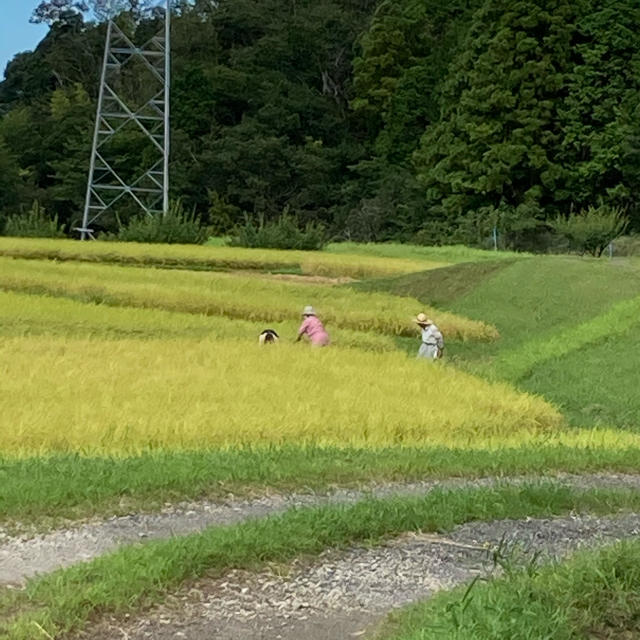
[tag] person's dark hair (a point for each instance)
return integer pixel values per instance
(268, 335)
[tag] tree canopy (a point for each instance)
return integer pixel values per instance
(381, 119)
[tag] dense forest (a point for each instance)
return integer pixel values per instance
(415, 120)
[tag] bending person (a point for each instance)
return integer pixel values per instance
(312, 327)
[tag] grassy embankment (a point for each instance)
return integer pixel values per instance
(568, 328)
(43, 490)
(139, 575)
(594, 595)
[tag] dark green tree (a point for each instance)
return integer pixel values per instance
(494, 156)
(403, 61)
(404, 58)
(600, 117)
(9, 182)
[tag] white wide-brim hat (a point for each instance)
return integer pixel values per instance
(308, 311)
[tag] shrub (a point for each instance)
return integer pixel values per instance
(627, 245)
(283, 233)
(592, 230)
(222, 215)
(176, 226)
(34, 224)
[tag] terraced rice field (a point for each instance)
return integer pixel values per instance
(131, 381)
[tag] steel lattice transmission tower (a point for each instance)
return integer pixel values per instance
(117, 111)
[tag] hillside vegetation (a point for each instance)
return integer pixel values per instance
(376, 119)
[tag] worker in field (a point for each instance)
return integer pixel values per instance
(313, 328)
(268, 336)
(432, 346)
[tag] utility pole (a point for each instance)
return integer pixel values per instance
(118, 112)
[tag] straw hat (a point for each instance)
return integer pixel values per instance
(421, 318)
(308, 311)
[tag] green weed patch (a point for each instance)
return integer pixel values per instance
(596, 594)
(46, 489)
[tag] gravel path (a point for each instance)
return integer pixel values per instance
(344, 595)
(23, 557)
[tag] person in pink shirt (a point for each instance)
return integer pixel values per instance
(312, 327)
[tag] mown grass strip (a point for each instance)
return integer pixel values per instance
(448, 253)
(215, 257)
(139, 575)
(596, 594)
(43, 490)
(618, 320)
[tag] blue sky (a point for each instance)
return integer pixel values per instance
(16, 32)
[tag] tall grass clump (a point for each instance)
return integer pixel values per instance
(593, 595)
(233, 296)
(197, 394)
(175, 226)
(34, 224)
(285, 232)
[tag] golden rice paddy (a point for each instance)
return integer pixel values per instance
(213, 257)
(117, 360)
(127, 396)
(230, 295)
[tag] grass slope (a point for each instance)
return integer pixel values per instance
(540, 296)
(596, 385)
(568, 328)
(139, 575)
(522, 298)
(595, 595)
(440, 287)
